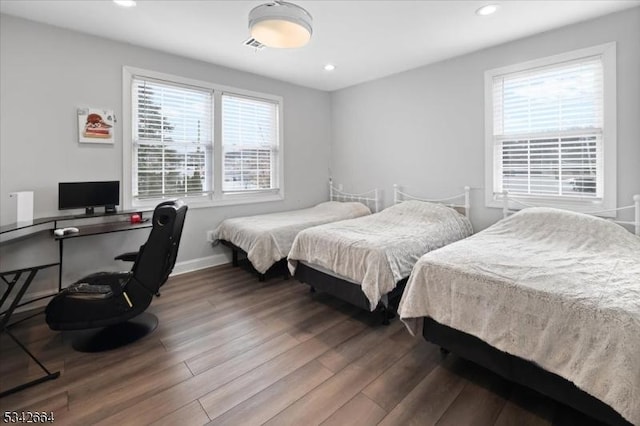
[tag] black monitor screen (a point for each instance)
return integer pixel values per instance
(77, 195)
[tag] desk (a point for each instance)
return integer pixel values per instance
(95, 229)
(64, 218)
(84, 230)
(14, 283)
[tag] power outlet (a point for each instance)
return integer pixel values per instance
(210, 236)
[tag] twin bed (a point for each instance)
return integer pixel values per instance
(546, 298)
(366, 261)
(267, 239)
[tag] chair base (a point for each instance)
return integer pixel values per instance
(113, 336)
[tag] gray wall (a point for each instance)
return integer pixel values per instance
(424, 128)
(47, 72)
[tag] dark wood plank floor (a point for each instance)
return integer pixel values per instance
(230, 350)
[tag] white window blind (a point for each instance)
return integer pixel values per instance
(172, 139)
(548, 130)
(249, 144)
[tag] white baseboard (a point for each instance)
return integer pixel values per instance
(200, 263)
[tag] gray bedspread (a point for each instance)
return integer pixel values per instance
(379, 250)
(557, 288)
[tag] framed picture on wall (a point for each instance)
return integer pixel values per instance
(95, 125)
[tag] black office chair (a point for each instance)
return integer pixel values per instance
(131, 256)
(116, 302)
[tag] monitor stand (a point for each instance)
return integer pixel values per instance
(88, 210)
(111, 209)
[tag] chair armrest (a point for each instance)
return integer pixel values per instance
(127, 257)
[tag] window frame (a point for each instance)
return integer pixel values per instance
(217, 197)
(608, 201)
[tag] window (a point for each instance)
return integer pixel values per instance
(551, 130)
(249, 143)
(172, 139)
(174, 147)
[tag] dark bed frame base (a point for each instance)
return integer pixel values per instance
(520, 371)
(278, 269)
(347, 291)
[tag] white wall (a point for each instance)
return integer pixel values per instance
(424, 128)
(47, 72)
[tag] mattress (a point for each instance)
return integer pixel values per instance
(268, 238)
(556, 288)
(379, 250)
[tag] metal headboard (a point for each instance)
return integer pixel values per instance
(506, 211)
(370, 199)
(399, 196)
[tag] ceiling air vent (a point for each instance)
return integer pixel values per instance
(252, 42)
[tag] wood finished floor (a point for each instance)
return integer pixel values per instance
(230, 350)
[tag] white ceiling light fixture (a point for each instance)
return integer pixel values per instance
(280, 24)
(329, 67)
(487, 10)
(125, 3)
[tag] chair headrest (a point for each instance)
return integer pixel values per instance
(158, 255)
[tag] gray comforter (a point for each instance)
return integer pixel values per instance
(557, 288)
(379, 250)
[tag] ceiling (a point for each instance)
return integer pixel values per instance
(364, 39)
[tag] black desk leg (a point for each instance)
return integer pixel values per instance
(48, 376)
(4, 324)
(10, 285)
(4, 327)
(61, 249)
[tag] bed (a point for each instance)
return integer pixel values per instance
(366, 261)
(546, 298)
(266, 239)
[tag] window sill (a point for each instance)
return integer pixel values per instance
(226, 200)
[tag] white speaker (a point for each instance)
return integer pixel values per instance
(21, 205)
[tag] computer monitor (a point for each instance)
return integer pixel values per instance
(87, 195)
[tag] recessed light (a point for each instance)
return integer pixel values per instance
(125, 3)
(329, 67)
(487, 10)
